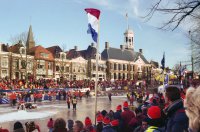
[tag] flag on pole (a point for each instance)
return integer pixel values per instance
(93, 20)
(163, 61)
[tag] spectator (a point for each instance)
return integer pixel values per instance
(99, 123)
(78, 126)
(88, 125)
(18, 127)
(115, 125)
(50, 125)
(117, 115)
(192, 108)
(137, 121)
(60, 125)
(142, 127)
(31, 126)
(106, 125)
(126, 116)
(154, 119)
(70, 125)
(177, 120)
(3, 130)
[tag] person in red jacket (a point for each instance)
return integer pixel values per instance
(50, 125)
(126, 116)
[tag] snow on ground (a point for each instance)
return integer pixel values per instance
(24, 115)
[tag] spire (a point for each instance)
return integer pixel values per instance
(30, 43)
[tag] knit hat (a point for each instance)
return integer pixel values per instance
(154, 112)
(119, 107)
(114, 123)
(88, 121)
(99, 118)
(125, 105)
(106, 120)
(18, 125)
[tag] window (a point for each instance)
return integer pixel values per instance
(67, 69)
(44, 55)
(57, 68)
(62, 55)
(49, 65)
(41, 64)
(4, 72)
(22, 50)
(4, 62)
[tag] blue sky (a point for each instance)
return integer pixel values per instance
(64, 22)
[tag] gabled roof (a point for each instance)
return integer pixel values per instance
(55, 50)
(39, 49)
(89, 53)
(73, 54)
(15, 48)
(154, 63)
(122, 54)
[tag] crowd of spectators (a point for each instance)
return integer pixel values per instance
(172, 112)
(14, 84)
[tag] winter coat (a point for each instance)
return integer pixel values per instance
(154, 129)
(177, 121)
(117, 115)
(108, 128)
(50, 124)
(126, 116)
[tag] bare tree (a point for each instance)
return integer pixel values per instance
(22, 36)
(179, 10)
(195, 46)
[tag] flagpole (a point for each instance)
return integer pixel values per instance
(97, 75)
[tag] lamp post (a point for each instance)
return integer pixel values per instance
(192, 59)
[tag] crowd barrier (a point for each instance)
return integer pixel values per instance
(50, 89)
(5, 100)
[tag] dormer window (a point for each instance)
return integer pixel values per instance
(62, 55)
(22, 50)
(44, 55)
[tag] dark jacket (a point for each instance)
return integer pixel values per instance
(108, 128)
(177, 121)
(126, 116)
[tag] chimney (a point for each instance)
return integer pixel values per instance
(92, 44)
(106, 45)
(76, 48)
(140, 51)
(122, 47)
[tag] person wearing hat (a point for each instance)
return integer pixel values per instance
(154, 119)
(99, 122)
(88, 125)
(137, 121)
(106, 125)
(117, 115)
(177, 121)
(126, 116)
(115, 125)
(18, 127)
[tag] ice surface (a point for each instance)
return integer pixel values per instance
(24, 115)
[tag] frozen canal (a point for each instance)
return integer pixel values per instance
(85, 107)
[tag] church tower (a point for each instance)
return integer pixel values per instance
(129, 39)
(30, 43)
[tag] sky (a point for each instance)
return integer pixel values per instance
(64, 23)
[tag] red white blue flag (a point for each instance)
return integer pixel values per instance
(93, 22)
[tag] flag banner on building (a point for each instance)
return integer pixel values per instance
(93, 22)
(163, 62)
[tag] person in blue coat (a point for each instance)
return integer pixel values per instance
(176, 119)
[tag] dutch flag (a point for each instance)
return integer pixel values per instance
(93, 21)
